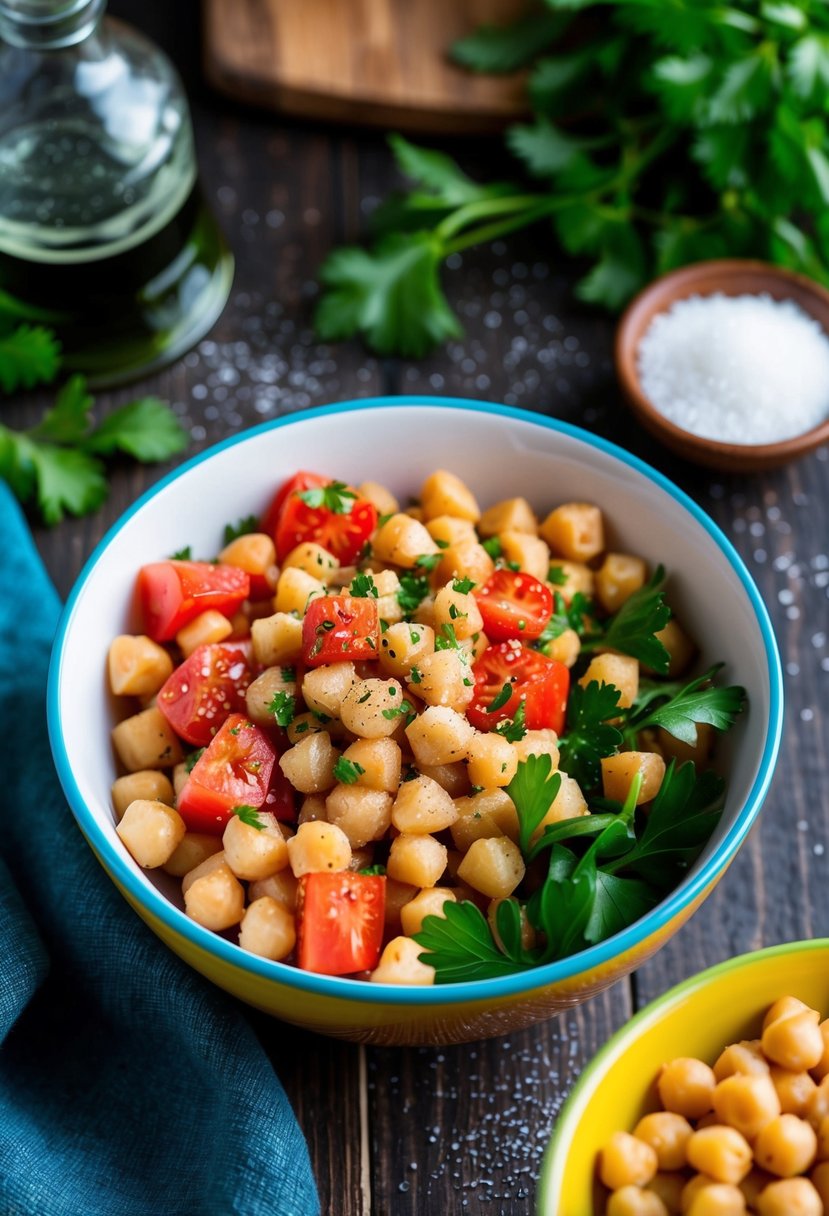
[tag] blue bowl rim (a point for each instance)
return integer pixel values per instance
(634, 1028)
(120, 868)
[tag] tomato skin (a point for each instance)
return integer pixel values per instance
(514, 605)
(339, 629)
(204, 689)
(541, 683)
(343, 535)
(172, 593)
(236, 769)
(294, 485)
(340, 921)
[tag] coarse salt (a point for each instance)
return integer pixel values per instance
(740, 369)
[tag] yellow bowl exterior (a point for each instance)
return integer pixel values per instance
(698, 1018)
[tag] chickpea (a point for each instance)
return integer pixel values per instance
(626, 1161)
(633, 1201)
(794, 1089)
(717, 1199)
(747, 1103)
(667, 1134)
(820, 1181)
(668, 1186)
(790, 1197)
(745, 1057)
(686, 1087)
(794, 1041)
(721, 1152)
(786, 1146)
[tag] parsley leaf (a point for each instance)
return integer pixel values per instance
(145, 429)
(283, 708)
(632, 629)
(463, 585)
(245, 526)
(696, 702)
(589, 736)
(184, 554)
(57, 462)
(683, 815)
(577, 615)
(249, 815)
(493, 547)
(533, 789)
(363, 586)
(427, 561)
(405, 707)
(372, 871)
(556, 576)
(347, 772)
(460, 946)
(336, 497)
(447, 639)
(500, 701)
(504, 48)
(29, 355)
(513, 730)
(412, 590)
(391, 296)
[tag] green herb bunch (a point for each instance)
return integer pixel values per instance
(60, 462)
(664, 132)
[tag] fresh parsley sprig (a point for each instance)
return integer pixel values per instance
(704, 135)
(589, 735)
(633, 628)
(679, 712)
(59, 463)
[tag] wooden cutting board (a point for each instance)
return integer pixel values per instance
(379, 62)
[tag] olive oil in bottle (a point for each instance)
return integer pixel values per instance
(104, 234)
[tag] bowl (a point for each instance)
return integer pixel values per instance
(696, 1018)
(729, 277)
(398, 441)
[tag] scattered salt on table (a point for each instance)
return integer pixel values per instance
(741, 369)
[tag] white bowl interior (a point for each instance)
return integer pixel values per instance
(399, 446)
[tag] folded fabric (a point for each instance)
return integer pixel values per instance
(128, 1085)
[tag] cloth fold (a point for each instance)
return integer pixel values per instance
(128, 1085)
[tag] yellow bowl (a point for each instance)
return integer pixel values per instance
(697, 1018)
(399, 441)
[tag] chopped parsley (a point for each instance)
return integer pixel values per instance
(405, 707)
(249, 815)
(493, 547)
(244, 527)
(192, 758)
(427, 561)
(182, 555)
(463, 585)
(363, 586)
(412, 591)
(347, 771)
(335, 497)
(283, 708)
(514, 729)
(500, 701)
(414, 675)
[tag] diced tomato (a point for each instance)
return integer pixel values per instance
(343, 534)
(297, 483)
(238, 769)
(172, 593)
(541, 683)
(340, 920)
(514, 605)
(204, 689)
(339, 629)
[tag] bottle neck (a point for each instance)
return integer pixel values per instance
(48, 25)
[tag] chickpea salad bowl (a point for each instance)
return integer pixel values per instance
(429, 742)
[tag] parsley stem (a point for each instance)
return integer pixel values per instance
(489, 232)
(483, 209)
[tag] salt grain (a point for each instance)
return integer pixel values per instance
(741, 369)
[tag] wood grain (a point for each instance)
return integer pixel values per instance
(459, 1131)
(376, 62)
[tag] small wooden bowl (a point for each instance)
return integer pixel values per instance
(730, 277)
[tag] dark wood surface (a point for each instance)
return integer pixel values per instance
(461, 1130)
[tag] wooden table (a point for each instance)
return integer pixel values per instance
(462, 1129)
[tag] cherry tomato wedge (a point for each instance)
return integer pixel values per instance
(340, 920)
(238, 768)
(297, 483)
(172, 593)
(339, 629)
(541, 683)
(343, 533)
(204, 689)
(514, 605)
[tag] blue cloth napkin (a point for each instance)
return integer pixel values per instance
(128, 1085)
